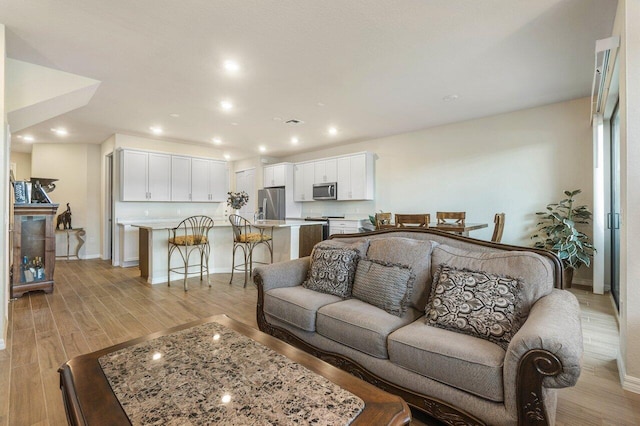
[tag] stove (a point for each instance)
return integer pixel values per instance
(325, 225)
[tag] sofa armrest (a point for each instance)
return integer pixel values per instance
(289, 273)
(551, 341)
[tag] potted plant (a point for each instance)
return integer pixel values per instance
(236, 200)
(557, 232)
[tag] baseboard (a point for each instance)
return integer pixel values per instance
(629, 383)
(91, 256)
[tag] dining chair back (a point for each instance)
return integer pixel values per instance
(191, 235)
(413, 220)
(455, 218)
(383, 220)
(247, 237)
(498, 228)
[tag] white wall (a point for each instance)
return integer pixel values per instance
(514, 163)
(22, 161)
(77, 168)
(626, 27)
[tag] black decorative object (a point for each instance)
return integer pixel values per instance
(64, 219)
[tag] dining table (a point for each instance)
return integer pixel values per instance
(455, 228)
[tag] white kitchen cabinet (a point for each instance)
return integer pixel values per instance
(276, 175)
(303, 180)
(326, 170)
(209, 180)
(180, 178)
(345, 226)
(355, 177)
(145, 176)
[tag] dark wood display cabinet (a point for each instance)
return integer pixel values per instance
(34, 248)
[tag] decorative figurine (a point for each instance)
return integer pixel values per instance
(64, 219)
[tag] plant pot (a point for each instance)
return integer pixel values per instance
(567, 276)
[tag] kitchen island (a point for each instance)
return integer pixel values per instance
(292, 238)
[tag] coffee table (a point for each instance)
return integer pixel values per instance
(221, 369)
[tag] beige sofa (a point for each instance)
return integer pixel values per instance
(454, 377)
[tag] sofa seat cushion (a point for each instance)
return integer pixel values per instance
(360, 325)
(465, 362)
(296, 306)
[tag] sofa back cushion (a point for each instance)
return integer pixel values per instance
(534, 271)
(411, 252)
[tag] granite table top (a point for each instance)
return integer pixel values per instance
(211, 374)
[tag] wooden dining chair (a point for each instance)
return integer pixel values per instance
(413, 220)
(454, 218)
(498, 228)
(383, 220)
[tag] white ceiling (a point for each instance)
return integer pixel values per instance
(370, 68)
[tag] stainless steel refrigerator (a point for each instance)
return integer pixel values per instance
(271, 201)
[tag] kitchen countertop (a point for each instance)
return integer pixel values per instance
(154, 224)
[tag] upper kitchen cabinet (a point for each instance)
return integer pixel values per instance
(145, 176)
(326, 170)
(180, 178)
(209, 180)
(303, 180)
(278, 175)
(355, 177)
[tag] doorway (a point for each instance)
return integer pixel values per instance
(108, 225)
(245, 181)
(613, 217)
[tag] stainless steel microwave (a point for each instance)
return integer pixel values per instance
(325, 191)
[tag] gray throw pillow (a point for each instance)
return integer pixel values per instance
(332, 270)
(476, 303)
(385, 285)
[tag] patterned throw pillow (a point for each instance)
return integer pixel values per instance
(385, 285)
(332, 271)
(476, 303)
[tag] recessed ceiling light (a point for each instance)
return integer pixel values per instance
(27, 138)
(174, 115)
(295, 140)
(217, 141)
(156, 130)
(60, 131)
(262, 148)
(227, 157)
(450, 98)
(333, 131)
(226, 105)
(231, 66)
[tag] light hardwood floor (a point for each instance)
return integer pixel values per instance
(95, 305)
